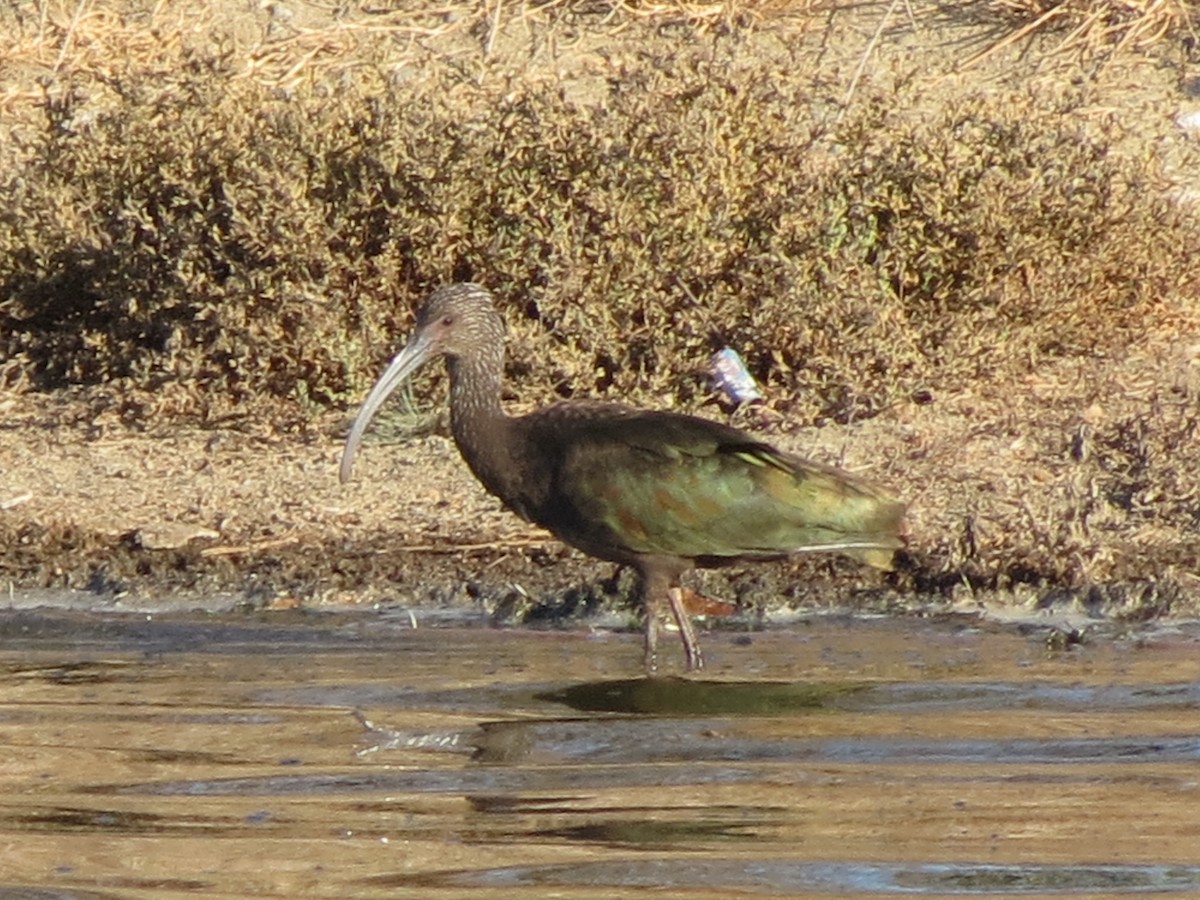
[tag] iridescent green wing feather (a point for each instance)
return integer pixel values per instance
(663, 484)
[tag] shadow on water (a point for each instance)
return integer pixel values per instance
(694, 697)
(347, 755)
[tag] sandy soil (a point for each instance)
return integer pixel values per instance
(168, 516)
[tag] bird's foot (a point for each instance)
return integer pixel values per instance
(650, 658)
(697, 604)
(651, 663)
(693, 658)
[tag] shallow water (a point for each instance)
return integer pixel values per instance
(351, 755)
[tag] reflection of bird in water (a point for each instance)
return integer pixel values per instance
(659, 491)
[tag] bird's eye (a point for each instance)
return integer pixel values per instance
(447, 320)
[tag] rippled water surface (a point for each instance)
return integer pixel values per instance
(347, 755)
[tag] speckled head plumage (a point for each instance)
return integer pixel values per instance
(459, 320)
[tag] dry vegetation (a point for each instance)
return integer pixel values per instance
(211, 219)
(1095, 27)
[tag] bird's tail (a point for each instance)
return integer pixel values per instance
(888, 533)
(846, 513)
(876, 557)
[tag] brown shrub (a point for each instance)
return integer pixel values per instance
(212, 246)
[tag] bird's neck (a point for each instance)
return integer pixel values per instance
(481, 430)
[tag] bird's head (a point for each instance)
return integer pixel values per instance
(455, 321)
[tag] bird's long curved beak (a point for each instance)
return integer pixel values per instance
(418, 349)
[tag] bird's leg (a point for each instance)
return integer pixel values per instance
(660, 582)
(691, 647)
(655, 583)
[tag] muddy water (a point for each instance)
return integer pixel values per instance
(344, 756)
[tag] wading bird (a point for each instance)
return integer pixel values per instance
(662, 492)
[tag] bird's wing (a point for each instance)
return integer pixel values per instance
(674, 485)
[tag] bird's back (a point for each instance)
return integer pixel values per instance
(625, 484)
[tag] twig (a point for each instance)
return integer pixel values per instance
(252, 547)
(862, 63)
(12, 502)
(1015, 36)
(467, 548)
(1083, 28)
(495, 27)
(69, 37)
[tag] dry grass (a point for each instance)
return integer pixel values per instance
(100, 40)
(1133, 24)
(1091, 28)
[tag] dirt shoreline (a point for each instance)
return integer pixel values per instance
(1071, 490)
(96, 516)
